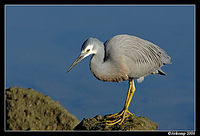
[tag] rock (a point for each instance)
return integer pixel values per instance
(130, 123)
(27, 109)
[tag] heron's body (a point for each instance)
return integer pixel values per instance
(123, 57)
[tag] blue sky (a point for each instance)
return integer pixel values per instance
(42, 41)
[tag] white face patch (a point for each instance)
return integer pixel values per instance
(89, 50)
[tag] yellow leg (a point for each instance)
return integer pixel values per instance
(124, 113)
(130, 94)
(126, 102)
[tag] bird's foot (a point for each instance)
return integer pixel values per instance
(118, 117)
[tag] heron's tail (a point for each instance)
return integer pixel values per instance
(160, 71)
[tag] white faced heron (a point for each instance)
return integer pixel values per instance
(123, 57)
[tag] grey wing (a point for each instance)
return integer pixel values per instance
(141, 57)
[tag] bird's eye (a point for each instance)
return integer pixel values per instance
(88, 50)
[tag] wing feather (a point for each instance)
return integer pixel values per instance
(141, 57)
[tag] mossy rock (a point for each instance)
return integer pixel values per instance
(130, 123)
(27, 109)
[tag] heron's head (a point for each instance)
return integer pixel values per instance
(89, 47)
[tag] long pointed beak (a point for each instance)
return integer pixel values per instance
(80, 57)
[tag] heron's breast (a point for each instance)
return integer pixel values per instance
(111, 71)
